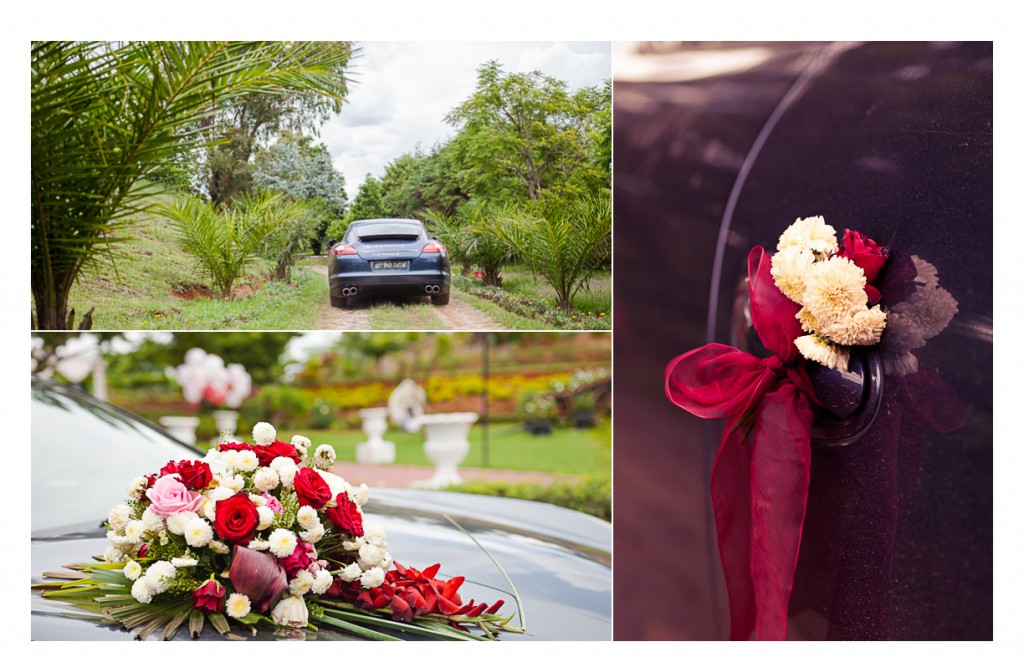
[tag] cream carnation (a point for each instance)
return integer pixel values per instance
(198, 532)
(809, 234)
(360, 494)
(137, 488)
(265, 479)
(370, 556)
(119, 516)
(322, 582)
(818, 349)
(217, 547)
(834, 290)
(301, 584)
(301, 444)
(286, 470)
(313, 535)
(152, 521)
(258, 545)
(324, 456)
(234, 483)
(264, 434)
(220, 493)
(372, 578)
(238, 605)
(133, 530)
(176, 522)
(112, 554)
(351, 572)
(132, 570)
(282, 542)
(141, 591)
(184, 562)
(864, 328)
(789, 271)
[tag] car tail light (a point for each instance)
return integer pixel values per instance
(433, 247)
(342, 249)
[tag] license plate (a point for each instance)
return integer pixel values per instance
(391, 265)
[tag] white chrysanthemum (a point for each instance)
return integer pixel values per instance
(258, 545)
(286, 470)
(301, 444)
(230, 460)
(220, 493)
(238, 605)
(282, 542)
(218, 465)
(137, 488)
(374, 534)
(351, 572)
(809, 234)
(119, 516)
(302, 583)
(322, 582)
(360, 494)
(184, 562)
(120, 542)
(198, 532)
(257, 499)
(176, 522)
(307, 517)
(264, 434)
(807, 321)
(141, 591)
(133, 531)
(864, 328)
(161, 570)
(789, 271)
(265, 479)
(112, 554)
(313, 535)
(834, 290)
(217, 547)
(246, 462)
(324, 456)
(818, 349)
(210, 509)
(353, 545)
(372, 578)
(370, 556)
(152, 521)
(266, 518)
(132, 570)
(234, 483)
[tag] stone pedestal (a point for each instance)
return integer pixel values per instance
(182, 428)
(447, 444)
(227, 423)
(375, 450)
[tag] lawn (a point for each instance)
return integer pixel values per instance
(566, 451)
(596, 299)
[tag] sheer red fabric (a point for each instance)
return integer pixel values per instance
(761, 473)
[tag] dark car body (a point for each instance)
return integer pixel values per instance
(388, 256)
(731, 144)
(559, 560)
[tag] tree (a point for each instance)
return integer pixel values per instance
(469, 240)
(368, 203)
(523, 133)
(107, 116)
(303, 171)
(565, 244)
(226, 242)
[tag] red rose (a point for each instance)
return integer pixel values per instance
(867, 255)
(195, 474)
(346, 516)
(311, 488)
(236, 519)
(235, 446)
(267, 454)
(209, 598)
(300, 559)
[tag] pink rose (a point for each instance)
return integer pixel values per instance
(273, 503)
(169, 496)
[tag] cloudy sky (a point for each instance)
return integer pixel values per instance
(403, 90)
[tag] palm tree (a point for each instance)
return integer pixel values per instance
(226, 243)
(565, 244)
(105, 116)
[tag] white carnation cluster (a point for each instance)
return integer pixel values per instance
(830, 289)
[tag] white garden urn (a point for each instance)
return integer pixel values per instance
(182, 428)
(227, 422)
(375, 450)
(447, 444)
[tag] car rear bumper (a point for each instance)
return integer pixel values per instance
(408, 283)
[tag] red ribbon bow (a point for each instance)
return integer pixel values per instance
(762, 470)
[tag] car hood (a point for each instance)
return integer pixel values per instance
(559, 561)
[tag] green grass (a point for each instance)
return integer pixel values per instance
(504, 317)
(566, 451)
(133, 287)
(598, 299)
(386, 316)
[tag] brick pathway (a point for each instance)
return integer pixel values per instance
(396, 475)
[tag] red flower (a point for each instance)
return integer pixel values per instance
(236, 519)
(300, 559)
(235, 446)
(259, 576)
(867, 255)
(209, 598)
(346, 515)
(195, 474)
(267, 454)
(311, 489)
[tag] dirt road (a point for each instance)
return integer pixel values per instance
(409, 315)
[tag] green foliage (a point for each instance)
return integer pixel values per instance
(591, 494)
(225, 244)
(368, 202)
(536, 309)
(292, 237)
(108, 115)
(469, 240)
(565, 245)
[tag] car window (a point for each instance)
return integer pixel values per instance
(84, 455)
(373, 231)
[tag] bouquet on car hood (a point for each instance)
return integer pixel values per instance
(263, 534)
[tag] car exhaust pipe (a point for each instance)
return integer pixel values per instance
(431, 289)
(349, 291)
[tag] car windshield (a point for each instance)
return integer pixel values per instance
(84, 454)
(378, 231)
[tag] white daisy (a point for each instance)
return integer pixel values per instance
(282, 542)
(301, 584)
(238, 605)
(198, 532)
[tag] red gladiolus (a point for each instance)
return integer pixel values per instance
(209, 597)
(311, 489)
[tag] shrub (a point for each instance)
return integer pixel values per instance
(591, 494)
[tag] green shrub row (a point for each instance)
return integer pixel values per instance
(534, 308)
(591, 495)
